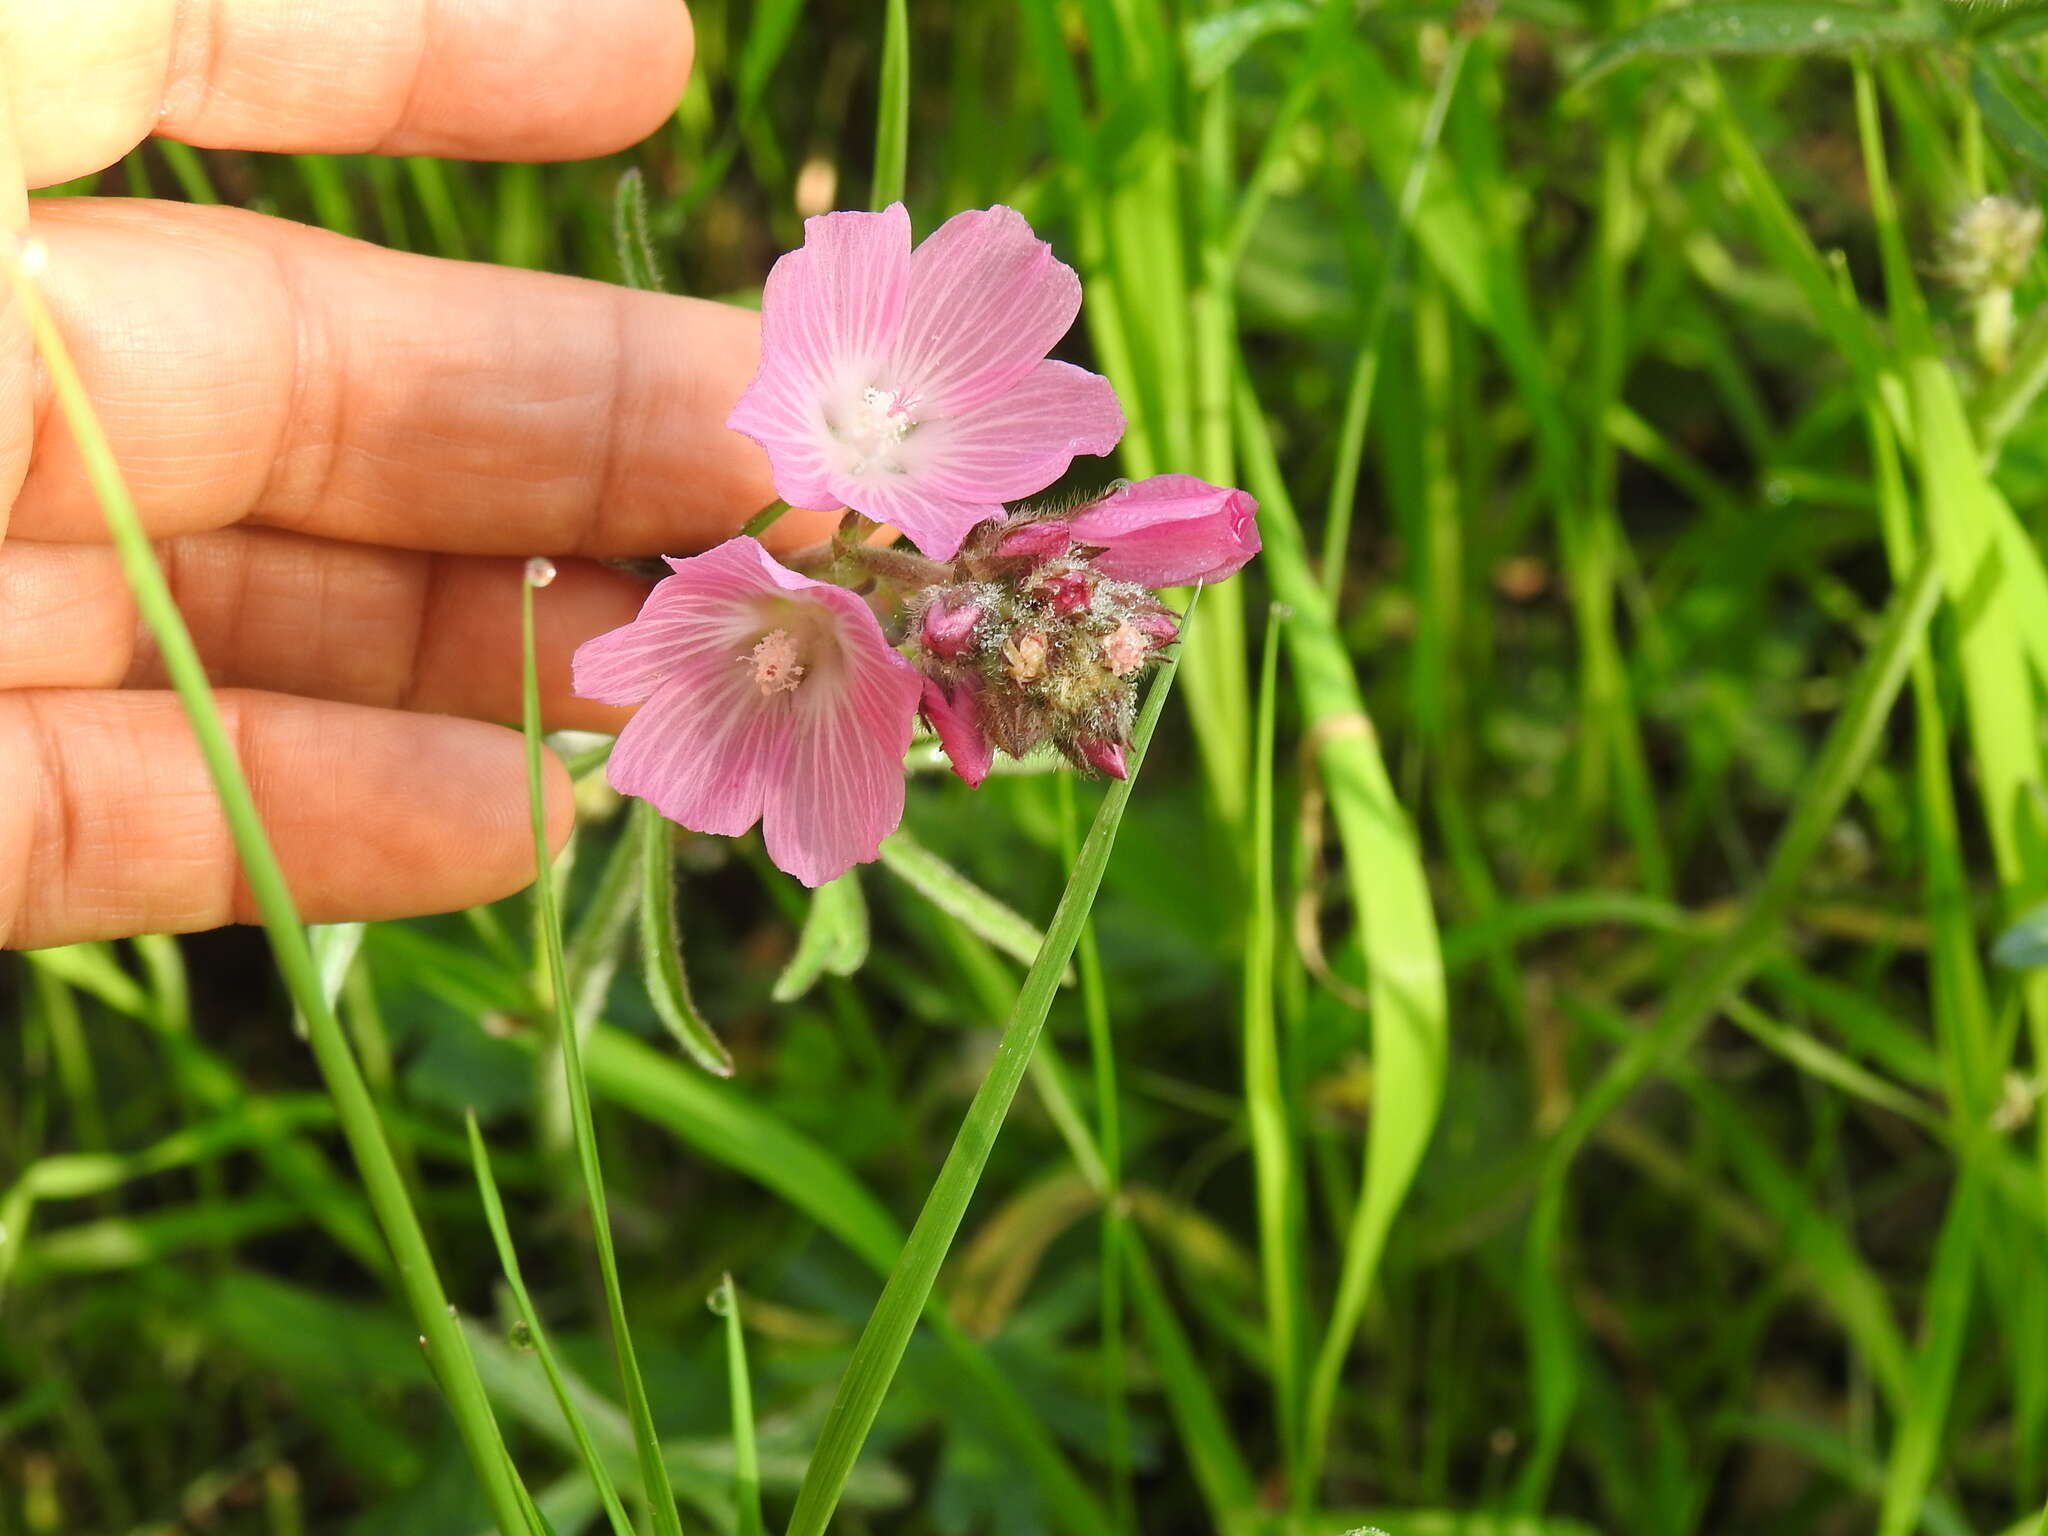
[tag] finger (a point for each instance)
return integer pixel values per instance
(349, 622)
(245, 367)
(477, 79)
(112, 825)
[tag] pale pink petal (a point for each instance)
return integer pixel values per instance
(830, 312)
(987, 300)
(703, 750)
(840, 790)
(1170, 531)
(1018, 445)
(820, 765)
(934, 523)
(707, 610)
(954, 716)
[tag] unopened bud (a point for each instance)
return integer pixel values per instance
(1067, 593)
(1106, 757)
(1043, 540)
(949, 627)
(1157, 625)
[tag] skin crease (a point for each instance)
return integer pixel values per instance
(345, 454)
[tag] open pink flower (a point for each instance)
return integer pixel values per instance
(1170, 531)
(766, 697)
(913, 386)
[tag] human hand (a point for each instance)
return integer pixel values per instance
(345, 453)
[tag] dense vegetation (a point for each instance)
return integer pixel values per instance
(1538, 1053)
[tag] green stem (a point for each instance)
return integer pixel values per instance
(440, 1332)
(887, 1335)
(647, 1444)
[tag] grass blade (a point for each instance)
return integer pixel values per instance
(508, 1262)
(1410, 1022)
(888, 1331)
(960, 898)
(653, 1470)
(892, 112)
(1812, 27)
(446, 1348)
(725, 1301)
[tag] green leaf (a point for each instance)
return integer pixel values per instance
(661, 946)
(834, 938)
(768, 37)
(1816, 27)
(1217, 41)
(508, 1262)
(2013, 109)
(959, 897)
(725, 1301)
(892, 114)
(637, 265)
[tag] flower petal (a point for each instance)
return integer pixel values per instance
(701, 608)
(935, 523)
(987, 300)
(839, 792)
(1170, 531)
(704, 750)
(830, 312)
(954, 716)
(1018, 445)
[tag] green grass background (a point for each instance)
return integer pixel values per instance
(1535, 1062)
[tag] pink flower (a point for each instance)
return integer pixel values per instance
(954, 716)
(1170, 531)
(914, 386)
(766, 697)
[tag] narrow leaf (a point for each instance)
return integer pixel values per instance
(2013, 109)
(1816, 27)
(834, 938)
(637, 265)
(959, 897)
(661, 946)
(887, 1335)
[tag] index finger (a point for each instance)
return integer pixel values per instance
(88, 80)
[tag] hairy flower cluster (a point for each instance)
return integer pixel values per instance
(1033, 645)
(1989, 245)
(910, 385)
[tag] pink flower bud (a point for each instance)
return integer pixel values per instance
(1125, 649)
(1156, 624)
(956, 718)
(1105, 757)
(1067, 594)
(1045, 540)
(1170, 531)
(949, 627)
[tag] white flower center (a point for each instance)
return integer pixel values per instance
(775, 663)
(871, 431)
